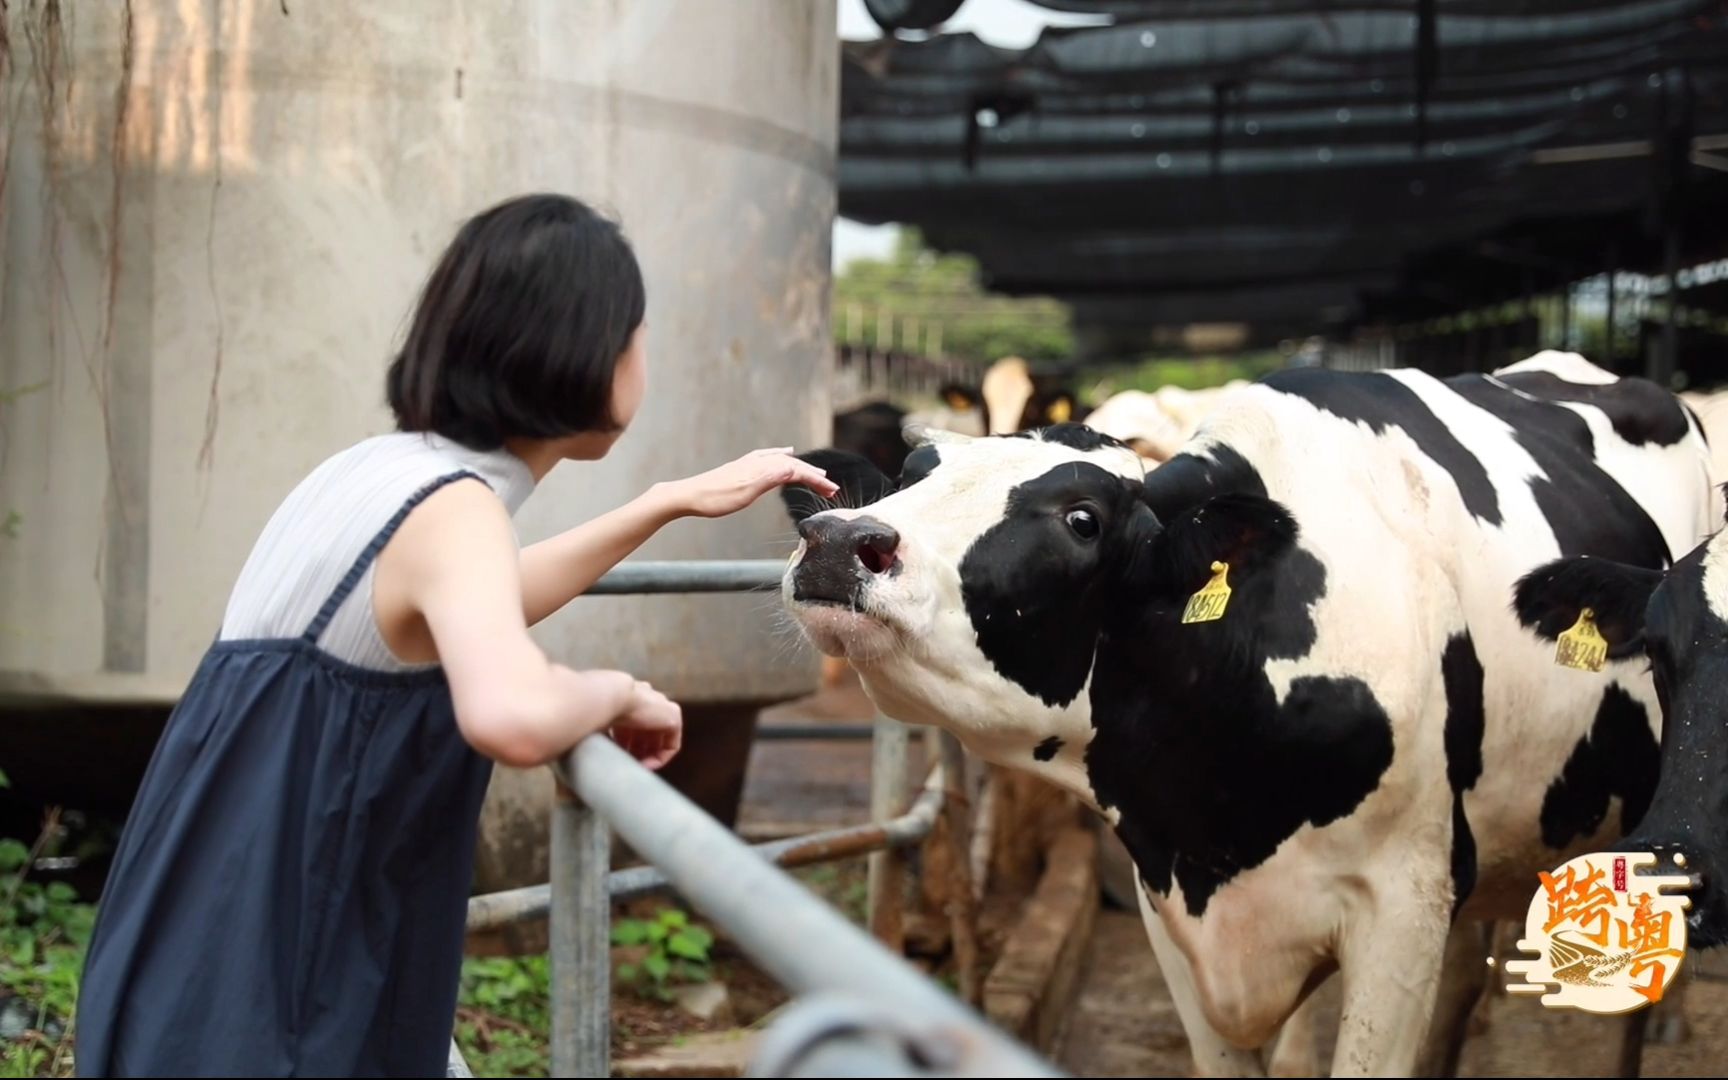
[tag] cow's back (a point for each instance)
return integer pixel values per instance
(1425, 501)
(1642, 436)
(1711, 410)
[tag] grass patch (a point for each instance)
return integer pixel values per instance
(504, 1012)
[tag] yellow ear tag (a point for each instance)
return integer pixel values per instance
(1060, 410)
(1209, 603)
(1582, 647)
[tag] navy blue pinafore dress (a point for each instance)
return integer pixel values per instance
(289, 891)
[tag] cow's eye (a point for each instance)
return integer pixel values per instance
(1083, 522)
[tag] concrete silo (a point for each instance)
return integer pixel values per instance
(215, 219)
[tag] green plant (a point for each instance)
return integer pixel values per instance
(505, 1015)
(23, 1059)
(675, 951)
(43, 933)
(842, 884)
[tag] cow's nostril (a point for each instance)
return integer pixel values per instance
(875, 560)
(876, 544)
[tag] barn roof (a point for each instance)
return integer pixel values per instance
(1284, 160)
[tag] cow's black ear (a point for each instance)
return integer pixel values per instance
(860, 482)
(1548, 599)
(959, 398)
(1245, 532)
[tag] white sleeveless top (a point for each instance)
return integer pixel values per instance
(328, 520)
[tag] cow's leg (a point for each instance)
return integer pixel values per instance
(1027, 814)
(1499, 933)
(1296, 1052)
(1391, 963)
(1502, 946)
(1213, 1055)
(1463, 978)
(1668, 1023)
(1663, 1023)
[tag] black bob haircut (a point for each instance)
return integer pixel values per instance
(520, 327)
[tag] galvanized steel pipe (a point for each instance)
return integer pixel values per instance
(794, 937)
(832, 1035)
(690, 576)
(494, 910)
(581, 937)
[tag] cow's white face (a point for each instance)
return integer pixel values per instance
(963, 597)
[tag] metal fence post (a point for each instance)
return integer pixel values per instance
(457, 1067)
(581, 940)
(962, 905)
(888, 798)
(798, 940)
(743, 891)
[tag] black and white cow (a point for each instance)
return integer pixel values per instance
(1018, 399)
(1010, 399)
(1678, 623)
(1367, 744)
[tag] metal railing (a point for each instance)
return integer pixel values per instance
(863, 1011)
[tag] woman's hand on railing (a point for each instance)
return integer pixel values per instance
(651, 727)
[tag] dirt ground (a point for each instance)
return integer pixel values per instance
(1124, 1024)
(640, 1024)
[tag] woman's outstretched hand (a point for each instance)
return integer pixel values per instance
(736, 484)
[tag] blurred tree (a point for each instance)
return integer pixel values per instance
(918, 301)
